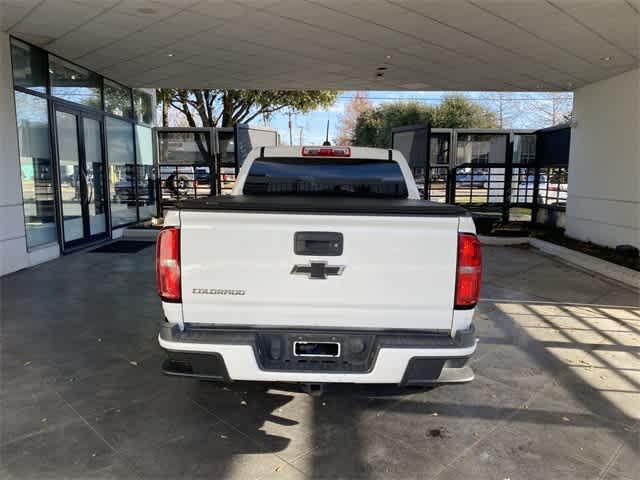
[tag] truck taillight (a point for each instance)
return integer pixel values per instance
(326, 152)
(468, 272)
(168, 264)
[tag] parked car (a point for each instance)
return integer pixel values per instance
(323, 265)
(549, 192)
(475, 180)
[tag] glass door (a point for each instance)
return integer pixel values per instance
(81, 173)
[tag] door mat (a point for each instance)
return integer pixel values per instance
(123, 246)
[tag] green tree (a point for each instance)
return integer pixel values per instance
(373, 127)
(457, 111)
(225, 108)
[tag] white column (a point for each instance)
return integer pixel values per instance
(603, 203)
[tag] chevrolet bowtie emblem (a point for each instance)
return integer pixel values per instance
(317, 270)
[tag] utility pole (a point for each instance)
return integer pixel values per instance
(301, 135)
(290, 132)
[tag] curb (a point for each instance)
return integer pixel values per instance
(503, 241)
(620, 274)
(140, 234)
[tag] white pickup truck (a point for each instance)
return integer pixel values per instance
(322, 266)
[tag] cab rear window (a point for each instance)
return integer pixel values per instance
(342, 177)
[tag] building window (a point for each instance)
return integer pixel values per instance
(439, 149)
(146, 173)
(480, 149)
(143, 107)
(117, 99)
(29, 67)
(36, 169)
(122, 176)
(524, 149)
(75, 84)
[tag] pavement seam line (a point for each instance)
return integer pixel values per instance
(100, 436)
(614, 456)
(494, 429)
(221, 420)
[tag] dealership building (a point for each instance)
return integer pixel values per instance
(77, 100)
(77, 156)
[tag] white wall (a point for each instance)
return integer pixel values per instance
(603, 204)
(13, 245)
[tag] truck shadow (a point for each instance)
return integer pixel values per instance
(319, 436)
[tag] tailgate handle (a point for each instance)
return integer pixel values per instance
(318, 243)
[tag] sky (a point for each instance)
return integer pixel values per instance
(525, 110)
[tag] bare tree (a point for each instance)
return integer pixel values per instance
(548, 109)
(348, 120)
(213, 108)
(506, 106)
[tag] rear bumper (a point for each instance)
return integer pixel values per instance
(409, 358)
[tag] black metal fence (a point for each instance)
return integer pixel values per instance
(199, 162)
(512, 175)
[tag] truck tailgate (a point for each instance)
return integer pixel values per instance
(398, 271)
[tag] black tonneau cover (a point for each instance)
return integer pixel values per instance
(320, 205)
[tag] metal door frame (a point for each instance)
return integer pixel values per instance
(80, 114)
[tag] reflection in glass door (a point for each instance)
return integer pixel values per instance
(70, 181)
(81, 177)
(95, 176)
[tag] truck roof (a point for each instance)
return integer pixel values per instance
(356, 152)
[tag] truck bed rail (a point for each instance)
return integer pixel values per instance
(320, 205)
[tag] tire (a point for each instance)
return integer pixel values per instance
(177, 185)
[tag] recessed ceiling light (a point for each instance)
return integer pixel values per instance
(606, 59)
(146, 10)
(73, 77)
